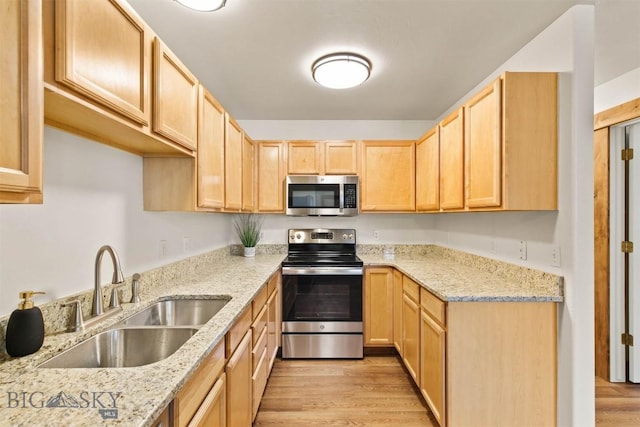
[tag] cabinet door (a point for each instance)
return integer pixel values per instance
(305, 158)
(238, 370)
(428, 171)
(340, 158)
(378, 307)
(483, 148)
(232, 165)
(271, 175)
(388, 176)
(162, 420)
(272, 328)
(21, 113)
(213, 411)
(248, 174)
(100, 53)
(411, 328)
(175, 98)
(397, 311)
(452, 161)
(432, 370)
(211, 122)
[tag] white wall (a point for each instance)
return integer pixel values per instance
(92, 196)
(617, 91)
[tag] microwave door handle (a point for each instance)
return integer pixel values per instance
(341, 203)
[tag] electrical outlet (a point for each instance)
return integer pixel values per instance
(186, 244)
(555, 256)
(523, 250)
(376, 235)
(163, 248)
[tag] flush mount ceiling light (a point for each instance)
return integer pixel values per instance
(203, 5)
(341, 70)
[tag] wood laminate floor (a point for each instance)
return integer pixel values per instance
(375, 391)
(617, 404)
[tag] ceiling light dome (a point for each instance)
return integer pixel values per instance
(203, 5)
(341, 70)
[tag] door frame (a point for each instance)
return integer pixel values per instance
(605, 255)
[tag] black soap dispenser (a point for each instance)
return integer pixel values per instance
(25, 329)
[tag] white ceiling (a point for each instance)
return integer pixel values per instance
(255, 55)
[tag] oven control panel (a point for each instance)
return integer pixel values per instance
(322, 235)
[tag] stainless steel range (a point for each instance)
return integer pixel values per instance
(322, 295)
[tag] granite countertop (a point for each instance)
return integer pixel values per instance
(450, 280)
(140, 394)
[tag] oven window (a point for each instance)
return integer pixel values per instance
(314, 196)
(326, 298)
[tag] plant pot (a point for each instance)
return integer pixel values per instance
(249, 252)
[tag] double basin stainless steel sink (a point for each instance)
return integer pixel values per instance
(149, 336)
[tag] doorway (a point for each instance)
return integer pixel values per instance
(617, 220)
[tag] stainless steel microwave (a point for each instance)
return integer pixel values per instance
(322, 195)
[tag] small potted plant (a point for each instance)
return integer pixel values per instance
(248, 227)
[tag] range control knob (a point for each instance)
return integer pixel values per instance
(344, 237)
(351, 236)
(298, 236)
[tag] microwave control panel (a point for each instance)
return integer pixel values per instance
(350, 196)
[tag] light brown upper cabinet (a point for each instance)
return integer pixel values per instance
(98, 79)
(524, 167)
(21, 113)
(248, 174)
(305, 158)
(322, 158)
(452, 161)
(211, 124)
(428, 171)
(483, 147)
(387, 176)
(272, 171)
(100, 53)
(340, 157)
(175, 98)
(233, 141)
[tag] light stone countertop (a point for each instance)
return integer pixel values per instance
(145, 391)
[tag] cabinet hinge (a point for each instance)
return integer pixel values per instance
(627, 339)
(627, 154)
(627, 247)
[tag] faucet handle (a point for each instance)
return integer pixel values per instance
(115, 299)
(78, 320)
(135, 288)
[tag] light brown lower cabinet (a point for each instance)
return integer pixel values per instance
(164, 419)
(411, 327)
(193, 402)
(378, 306)
(238, 370)
(432, 353)
(213, 411)
(397, 311)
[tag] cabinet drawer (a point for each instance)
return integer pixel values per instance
(237, 331)
(259, 301)
(260, 324)
(196, 389)
(411, 288)
(259, 381)
(433, 305)
(259, 346)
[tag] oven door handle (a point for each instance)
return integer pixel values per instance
(322, 271)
